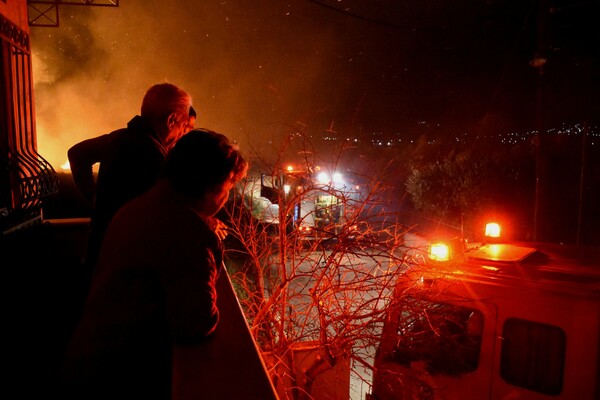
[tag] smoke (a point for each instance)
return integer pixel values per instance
(257, 68)
(251, 70)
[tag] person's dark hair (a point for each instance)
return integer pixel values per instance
(201, 160)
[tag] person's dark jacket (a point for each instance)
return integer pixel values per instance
(154, 288)
(130, 163)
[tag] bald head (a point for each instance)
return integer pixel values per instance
(166, 107)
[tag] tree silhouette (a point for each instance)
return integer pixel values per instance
(330, 289)
(464, 185)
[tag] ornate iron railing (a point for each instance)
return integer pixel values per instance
(27, 178)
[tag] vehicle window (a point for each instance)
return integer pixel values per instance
(533, 355)
(446, 337)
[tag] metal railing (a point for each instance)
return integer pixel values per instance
(27, 177)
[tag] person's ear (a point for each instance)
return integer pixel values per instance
(171, 120)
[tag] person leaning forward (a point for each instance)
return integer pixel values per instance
(130, 159)
(154, 285)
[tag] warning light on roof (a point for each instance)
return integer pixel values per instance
(492, 230)
(439, 251)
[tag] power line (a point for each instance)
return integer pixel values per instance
(377, 21)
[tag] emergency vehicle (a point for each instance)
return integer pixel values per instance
(493, 321)
(317, 204)
(319, 214)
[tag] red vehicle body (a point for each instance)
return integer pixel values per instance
(505, 321)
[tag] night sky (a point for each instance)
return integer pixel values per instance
(258, 68)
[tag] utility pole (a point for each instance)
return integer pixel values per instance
(581, 182)
(538, 62)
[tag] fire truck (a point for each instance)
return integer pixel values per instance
(493, 320)
(316, 203)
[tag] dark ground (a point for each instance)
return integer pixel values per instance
(42, 284)
(68, 202)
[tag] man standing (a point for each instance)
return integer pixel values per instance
(130, 159)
